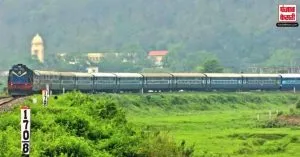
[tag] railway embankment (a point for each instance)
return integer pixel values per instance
(205, 101)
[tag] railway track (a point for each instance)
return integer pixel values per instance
(4, 100)
(6, 103)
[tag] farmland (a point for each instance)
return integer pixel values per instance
(225, 124)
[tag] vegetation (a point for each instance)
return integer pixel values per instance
(168, 124)
(237, 33)
(76, 124)
(298, 104)
(220, 124)
(212, 66)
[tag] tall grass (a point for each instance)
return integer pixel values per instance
(220, 124)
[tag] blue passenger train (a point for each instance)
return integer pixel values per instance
(24, 81)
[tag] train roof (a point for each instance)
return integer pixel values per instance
(104, 74)
(223, 75)
(260, 75)
(290, 75)
(83, 74)
(68, 74)
(187, 74)
(128, 75)
(48, 73)
(156, 74)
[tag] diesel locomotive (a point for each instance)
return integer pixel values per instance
(20, 80)
(24, 81)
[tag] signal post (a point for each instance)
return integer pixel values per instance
(45, 96)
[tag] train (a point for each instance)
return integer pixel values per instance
(25, 81)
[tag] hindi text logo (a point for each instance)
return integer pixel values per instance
(287, 15)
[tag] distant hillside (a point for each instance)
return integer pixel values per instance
(238, 33)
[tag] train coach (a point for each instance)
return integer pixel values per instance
(24, 81)
(157, 81)
(290, 81)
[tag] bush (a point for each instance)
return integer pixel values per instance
(298, 104)
(77, 124)
(69, 146)
(258, 141)
(160, 144)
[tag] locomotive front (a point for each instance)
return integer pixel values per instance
(20, 80)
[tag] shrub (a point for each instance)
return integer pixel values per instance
(273, 124)
(258, 141)
(83, 125)
(69, 146)
(294, 139)
(79, 125)
(279, 113)
(298, 104)
(161, 144)
(108, 111)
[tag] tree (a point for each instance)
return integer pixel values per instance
(212, 66)
(113, 63)
(282, 57)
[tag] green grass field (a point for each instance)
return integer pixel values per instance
(217, 124)
(224, 124)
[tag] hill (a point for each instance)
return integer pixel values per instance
(238, 33)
